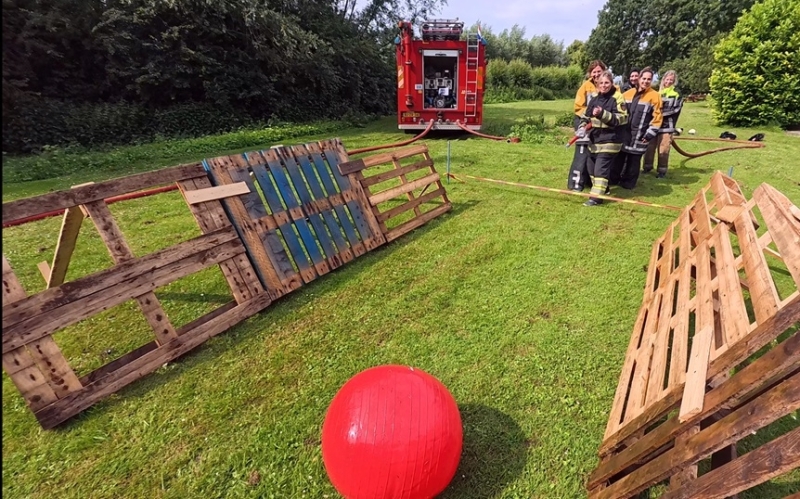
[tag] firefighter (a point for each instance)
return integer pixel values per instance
(606, 112)
(578, 178)
(671, 105)
(644, 121)
(633, 80)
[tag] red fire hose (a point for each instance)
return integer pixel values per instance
(396, 144)
(486, 136)
(115, 199)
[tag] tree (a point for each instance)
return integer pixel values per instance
(576, 54)
(695, 70)
(632, 33)
(754, 81)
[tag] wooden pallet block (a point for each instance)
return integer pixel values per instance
(719, 338)
(30, 355)
(378, 195)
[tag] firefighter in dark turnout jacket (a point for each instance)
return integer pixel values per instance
(607, 114)
(578, 177)
(671, 105)
(644, 121)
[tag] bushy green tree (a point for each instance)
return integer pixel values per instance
(755, 78)
(694, 70)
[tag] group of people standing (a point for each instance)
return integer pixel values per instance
(616, 128)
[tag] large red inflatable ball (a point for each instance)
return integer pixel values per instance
(392, 432)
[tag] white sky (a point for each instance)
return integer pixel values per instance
(565, 20)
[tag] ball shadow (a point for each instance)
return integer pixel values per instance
(494, 454)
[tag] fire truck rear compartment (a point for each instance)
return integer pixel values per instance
(441, 81)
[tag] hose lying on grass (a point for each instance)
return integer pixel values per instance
(741, 144)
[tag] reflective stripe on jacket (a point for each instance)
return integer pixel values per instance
(644, 119)
(671, 105)
(607, 130)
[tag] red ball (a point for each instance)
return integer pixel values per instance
(392, 432)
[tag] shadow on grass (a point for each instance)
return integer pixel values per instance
(494, 455)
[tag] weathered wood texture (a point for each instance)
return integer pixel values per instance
(31, 357)
(710, 303)
(390, 192)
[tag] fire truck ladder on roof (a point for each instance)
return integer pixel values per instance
(471, 90)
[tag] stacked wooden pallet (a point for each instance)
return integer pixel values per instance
(271, 220)
(690, 387)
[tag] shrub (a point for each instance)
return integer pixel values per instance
(519, 74)
(535, 129)
(754, 81)
(497, 73)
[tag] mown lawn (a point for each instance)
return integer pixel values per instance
(520, 302)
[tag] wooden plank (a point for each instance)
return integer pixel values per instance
(762, 289)
(68, 237)
(386, 215)
(210, 217)
(782, 225)
(73, 404)
(397, 172)
(114, 293)
(731, 300)
(266, 228)
(330, 187)
(694, 387)
(644, 359)
(121, 252)
(44, 270)
(688, 473)
(304, 264)
(218, 192)
(49, 300)
(22, 208)
(773, 405)
(680, 334)
(386, 195)
(417, 222)
(325, 240)
(18, 363)
(756, 467)
(357, 204)
(252, 233)
(299, 217)
(348, 167)
(661, 353)
(301, 154)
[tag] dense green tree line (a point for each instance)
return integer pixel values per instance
(664, 34)
(123, 66)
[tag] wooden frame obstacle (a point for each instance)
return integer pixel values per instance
(693, 384)
(271, 220)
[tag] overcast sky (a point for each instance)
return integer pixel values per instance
(565, 20)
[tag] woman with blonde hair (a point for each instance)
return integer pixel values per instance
(578, 178)
(671, 105)
(645, 120)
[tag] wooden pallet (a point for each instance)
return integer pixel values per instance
(391, 194)
(710, 302)
(272, 220)
(31, 357)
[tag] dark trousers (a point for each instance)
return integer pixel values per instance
(632, 164)
(617, 166)
(578, 178)
(599, 167)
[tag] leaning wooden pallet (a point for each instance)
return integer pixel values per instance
(311, 219)
(687, 391)
(32, 358)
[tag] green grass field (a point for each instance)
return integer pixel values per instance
(520, 302)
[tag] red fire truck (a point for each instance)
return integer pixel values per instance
(439, 76)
